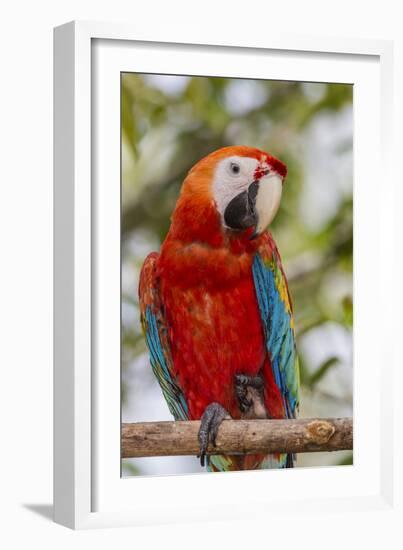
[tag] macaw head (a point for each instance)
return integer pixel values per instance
(247, 186)
(242, 184)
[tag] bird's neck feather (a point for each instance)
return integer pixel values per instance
(196, 219)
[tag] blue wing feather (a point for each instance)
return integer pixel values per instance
(158, 359)
(277, 317)
(156, 334)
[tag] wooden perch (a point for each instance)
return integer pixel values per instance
(239, 437)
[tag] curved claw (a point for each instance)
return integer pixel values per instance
(249, 392)
(241, 393)
(242, 380)
(210, 422)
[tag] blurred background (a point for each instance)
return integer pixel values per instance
(170, 122)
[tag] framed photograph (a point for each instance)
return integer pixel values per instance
(220, 232)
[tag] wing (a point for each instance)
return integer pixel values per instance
(156, 333)
(278, 321)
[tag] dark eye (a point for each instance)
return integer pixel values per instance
(234, 168)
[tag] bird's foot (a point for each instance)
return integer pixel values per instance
(210, 422)
(243, 383)
(249, 392)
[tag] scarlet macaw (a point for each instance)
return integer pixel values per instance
(215, 305)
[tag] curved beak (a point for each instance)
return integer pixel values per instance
(240, 212)
(268, 200)
(255, 207)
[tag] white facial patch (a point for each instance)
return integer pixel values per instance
(227, 184)
(234, 175)
(268, 200)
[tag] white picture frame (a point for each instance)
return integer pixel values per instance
(88, 490)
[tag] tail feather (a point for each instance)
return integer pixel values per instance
(234, 463)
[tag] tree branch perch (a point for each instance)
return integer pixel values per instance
(303, 435)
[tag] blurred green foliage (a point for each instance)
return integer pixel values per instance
(169, 125)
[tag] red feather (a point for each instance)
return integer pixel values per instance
(212, 311)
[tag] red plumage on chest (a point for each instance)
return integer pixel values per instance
(211, 308)
(215, 333)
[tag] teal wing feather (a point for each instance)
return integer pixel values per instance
(278, 322)
(157, 338)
